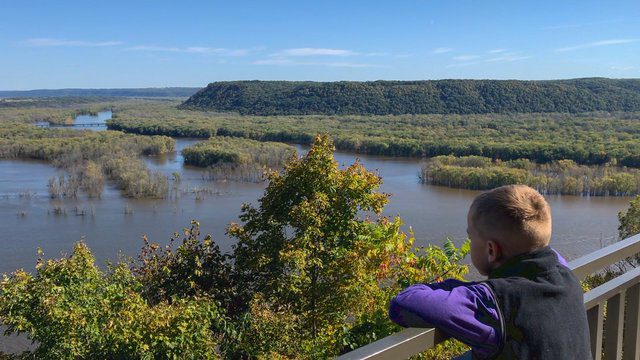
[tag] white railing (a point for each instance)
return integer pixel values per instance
(622, 327)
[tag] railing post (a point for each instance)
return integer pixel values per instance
(595, 318)
(613, 327)
(631, 344)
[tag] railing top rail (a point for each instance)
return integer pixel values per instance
(611, 288)
(400, 345)
(599, 259)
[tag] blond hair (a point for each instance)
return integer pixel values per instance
(515, 216)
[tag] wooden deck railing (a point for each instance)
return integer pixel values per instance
(622, 327)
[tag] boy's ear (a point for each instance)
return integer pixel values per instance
(494, 252)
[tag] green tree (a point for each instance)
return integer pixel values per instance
(195, 267)
(317, 253)
(630, 219)
(75, 311)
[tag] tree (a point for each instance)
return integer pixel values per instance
(73, 310)
(630, 220)
(317, 252)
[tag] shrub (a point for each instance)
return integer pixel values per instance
(74, 310)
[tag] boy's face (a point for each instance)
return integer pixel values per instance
(478, 249)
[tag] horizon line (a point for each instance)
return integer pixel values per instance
(316, 81)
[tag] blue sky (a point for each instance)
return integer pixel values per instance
(106, 44)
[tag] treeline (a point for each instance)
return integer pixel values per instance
(593, 138)
(311, 276)
(558, 177)
(418, 97)
(88, 157)
(180, 92)
(55, 111)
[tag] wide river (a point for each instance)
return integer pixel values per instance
(113, 224)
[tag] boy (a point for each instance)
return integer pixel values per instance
(531, 305)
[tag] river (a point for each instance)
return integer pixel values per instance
(112, 224)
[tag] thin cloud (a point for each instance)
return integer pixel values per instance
(596, 44)
(377, 54)
(496, 51)
(45, 42)
(191, 50)
(441, 50)
(465, 57)
(461, 64)
(511, 56)
(315, 52)
(289, 62)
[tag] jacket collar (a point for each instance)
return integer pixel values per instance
(528, 265)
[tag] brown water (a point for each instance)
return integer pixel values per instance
(581, 224)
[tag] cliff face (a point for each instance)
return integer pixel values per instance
(418, 97)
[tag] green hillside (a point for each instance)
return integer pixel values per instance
(418, 97)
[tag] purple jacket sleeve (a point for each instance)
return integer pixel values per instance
(466, 311)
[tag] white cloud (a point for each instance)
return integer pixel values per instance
(596, 44)
(289, 62)
(465, 57)
(441, 50)
(315, 52)
(191, 49)
(496, 51)
(65, 42)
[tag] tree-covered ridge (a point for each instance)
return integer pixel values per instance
(418, 97)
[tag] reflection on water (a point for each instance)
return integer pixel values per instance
(100, 118)
(28, 221)
(84, 122)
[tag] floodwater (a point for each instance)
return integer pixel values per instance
(112, 225)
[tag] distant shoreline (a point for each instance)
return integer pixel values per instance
(167, 92)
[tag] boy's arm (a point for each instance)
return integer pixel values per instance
(465, 311)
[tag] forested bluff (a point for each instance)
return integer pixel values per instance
(418, 97)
